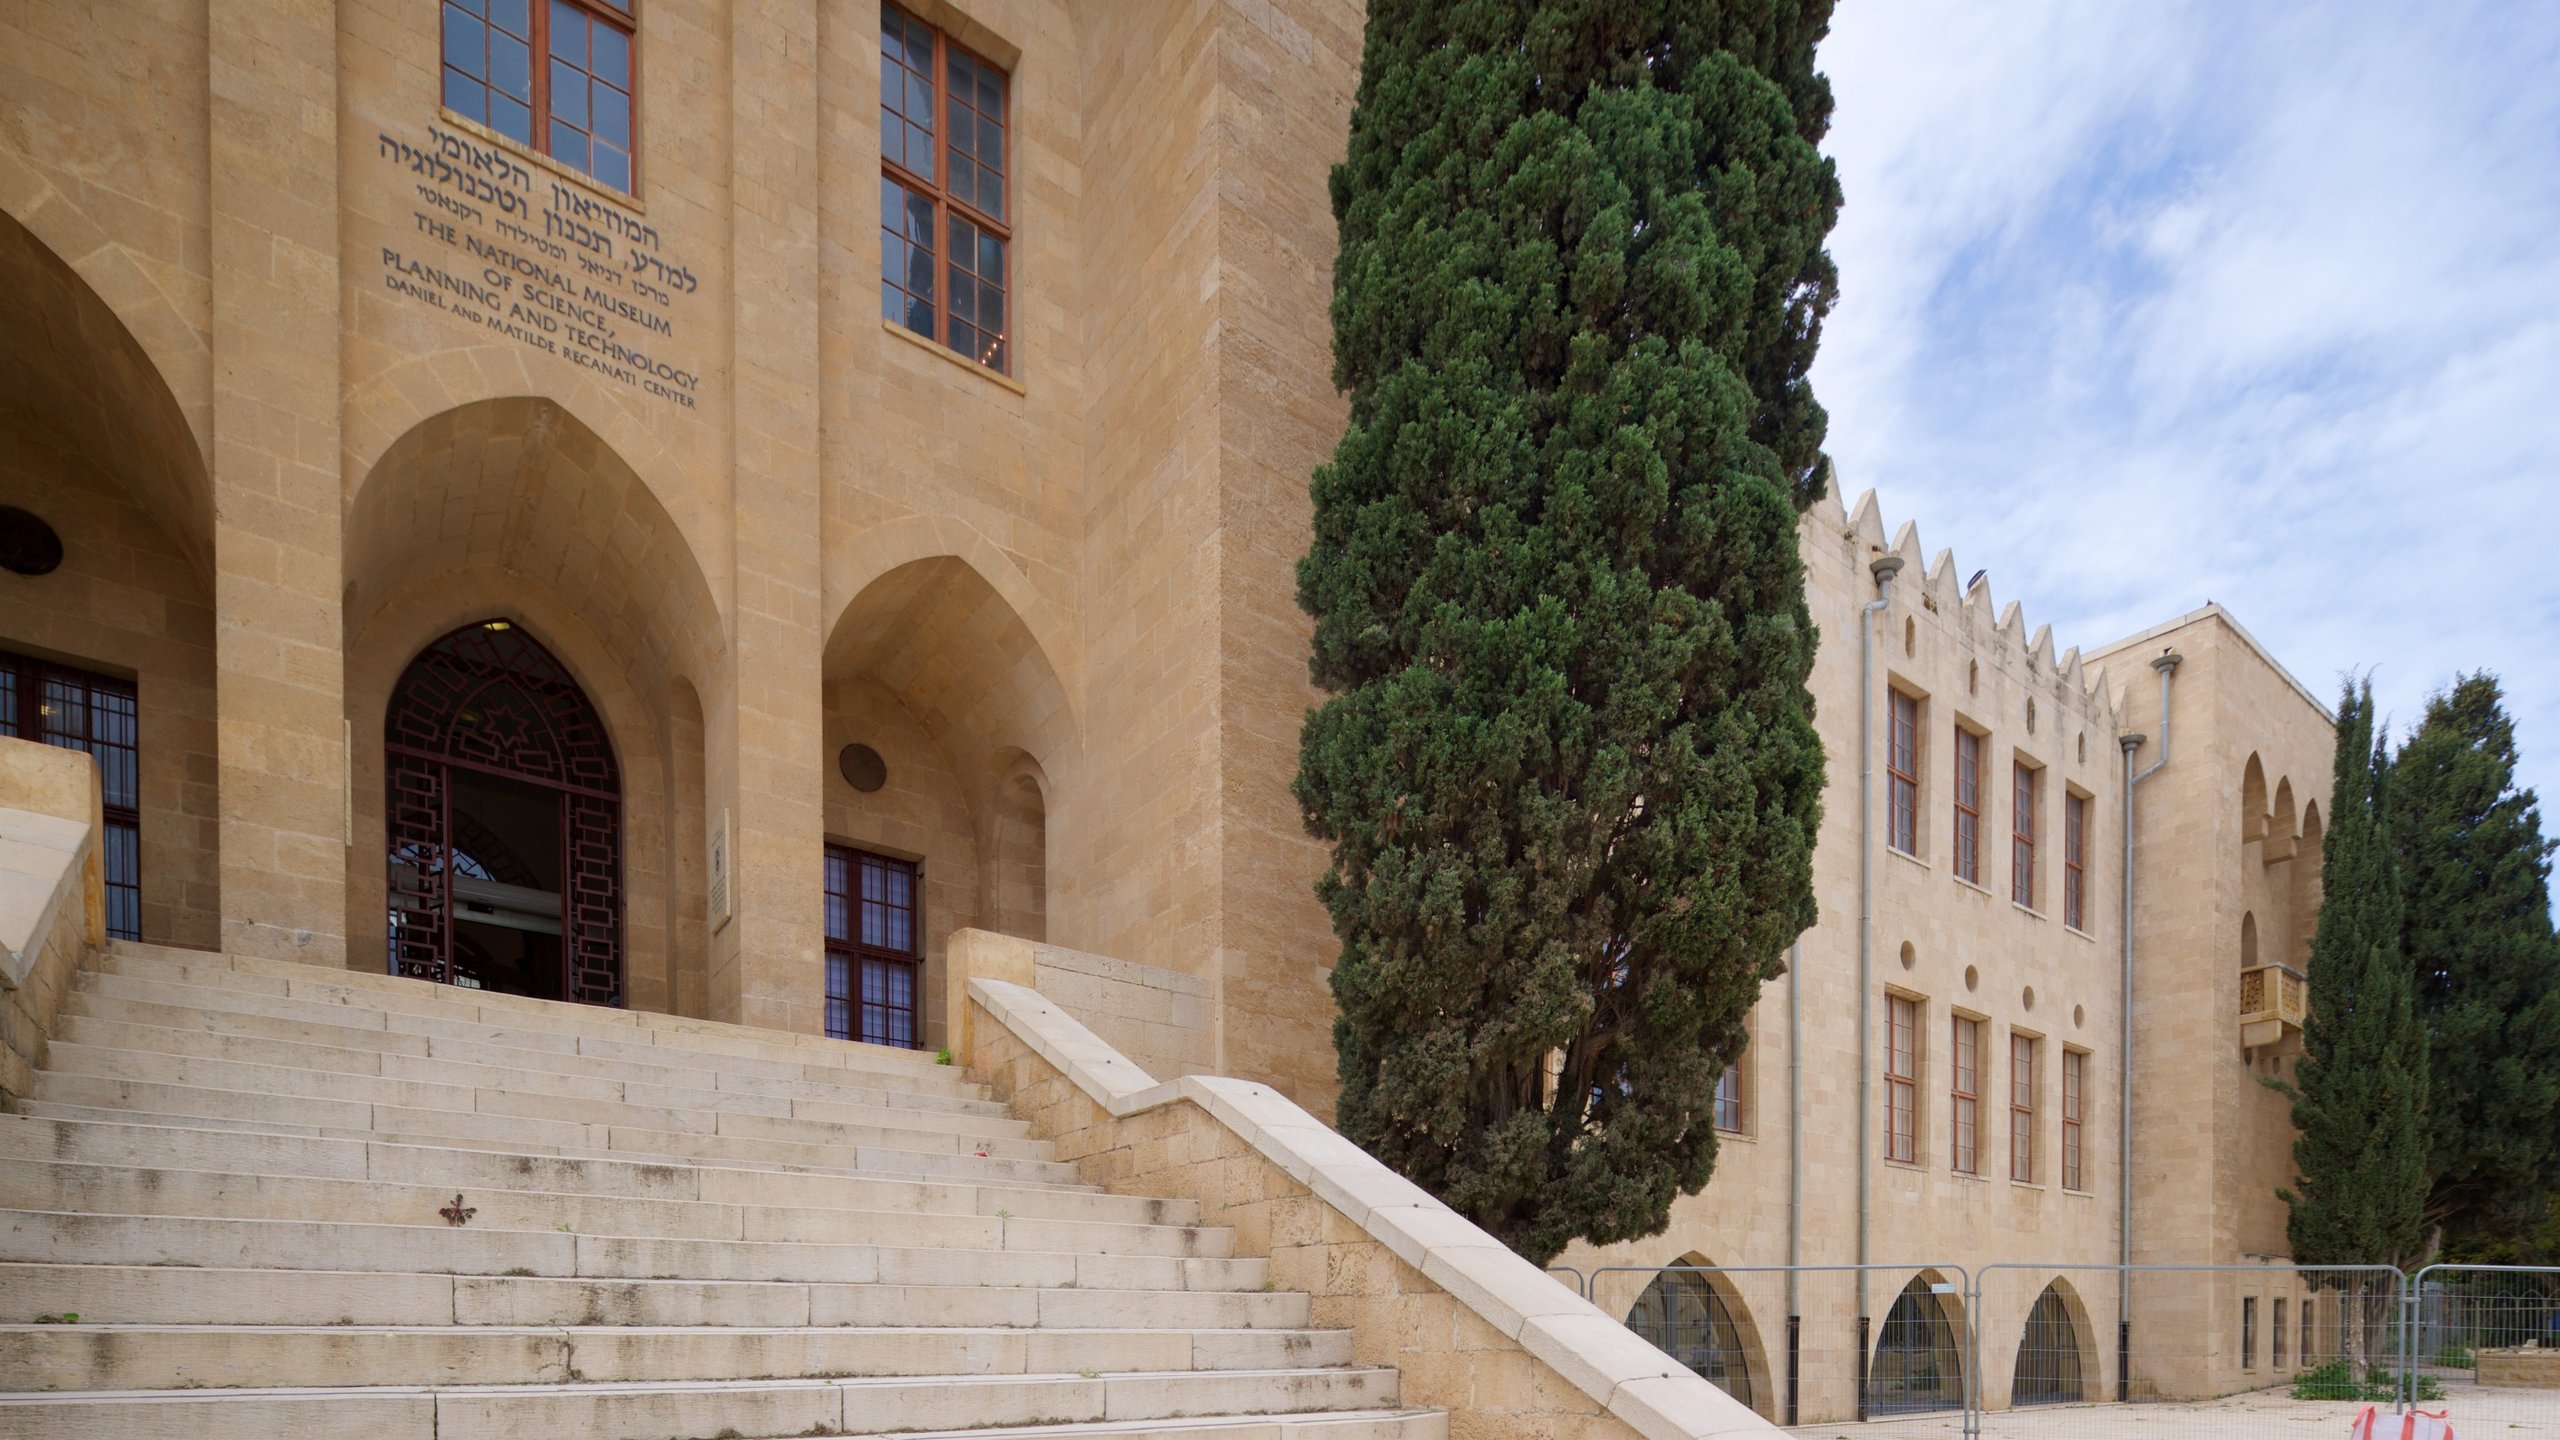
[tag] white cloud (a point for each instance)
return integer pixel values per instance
(2145, 305)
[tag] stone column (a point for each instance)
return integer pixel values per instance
(279, 669)
(767, 965)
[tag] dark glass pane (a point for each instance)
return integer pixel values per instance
(612, 63)
(964, 240)
(920, 152)
(991, 193)
(568, 146)
(893, 301)
(920, 223)
(892, 87)
(511, 68)
(991, 257)
(466, 42)
(613, 167)
(901, 885)
(511, 119)
(920, 316)
(919, 104)
(568, 95)
(964, 176)
(893, 34)
(612, 121)
(893, 138)
(511, 16)
(871, 881)
(893, 258)
(991, 307)
(8, 700)
(962, 135)
(994, 359)
(965, 338)
(466, 96)
(991, 143)
(991, 93)
(568, 33)
(964, 303)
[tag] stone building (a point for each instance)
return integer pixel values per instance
(713, 507)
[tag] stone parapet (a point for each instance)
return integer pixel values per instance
(1474, 1329)
(52, 895)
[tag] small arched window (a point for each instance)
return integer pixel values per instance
(2249, 940)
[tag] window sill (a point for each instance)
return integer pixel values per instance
(1970, 1177)
(1975, 886)
(1907, 856)
(2028, 1185)
(2026, 909)
(551, 167)
(1722, 1135)
(2079, 1194)
(955, 357)
(1914, 1166)
(2070, 929)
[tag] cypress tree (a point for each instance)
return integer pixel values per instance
(2360, 1089)
(2476, 876)
(1568, 767)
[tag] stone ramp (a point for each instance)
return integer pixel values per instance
(241, 1178)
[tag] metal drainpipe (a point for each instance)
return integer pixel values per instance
(1884, 568)
(1795, 1165)
(2167, 665)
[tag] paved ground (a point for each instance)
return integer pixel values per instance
(2477, 1414)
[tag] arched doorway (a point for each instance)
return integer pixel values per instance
(1681, 1313)
(1918, 1365)
(2049, 1367)
(505, 822)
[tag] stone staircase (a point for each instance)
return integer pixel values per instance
(227, 1213)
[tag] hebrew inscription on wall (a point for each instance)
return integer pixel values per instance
(536, 260)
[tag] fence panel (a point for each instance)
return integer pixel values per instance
(2483, 1343)
(1814, 1344)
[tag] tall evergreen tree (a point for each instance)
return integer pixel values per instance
(2360, 1089)
(1569, 767)
(2476, 875)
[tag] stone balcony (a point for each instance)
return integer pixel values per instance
(2273, 999)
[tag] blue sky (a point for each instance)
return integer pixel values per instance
(2145, 304)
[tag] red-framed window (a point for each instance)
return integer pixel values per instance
(1729, 1098)
(2075, 861)
(2022, 836)
(76, 709)
(875, 948)
(1968, 805)
(1902, 768)
(555, 75)
(2075, 1093)
(2022, 1107)
(945, 168)
(1902, 1079)
(1964, 1094)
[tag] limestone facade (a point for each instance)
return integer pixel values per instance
(307, 371)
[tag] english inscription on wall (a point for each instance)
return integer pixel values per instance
(535, 260)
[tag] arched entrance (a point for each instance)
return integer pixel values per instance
(505, 822)
(2049, 1368)
(1685, 1317)
(1918, 1365)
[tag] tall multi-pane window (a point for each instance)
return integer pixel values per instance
(2306, 1330)
(1729, 1098)
(2275, 1334)
(2022, 1107)
(944, 221)
(2075, 1089)
(1964, 1095)
(2075, 861)
(1902, 765)
(1902, 1079)
(1968, 805)
(551, 74)
(2022, 833)
(874, 948)
(2248, 1332)
(76, 710)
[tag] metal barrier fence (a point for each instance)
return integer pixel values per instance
(2024, 1349)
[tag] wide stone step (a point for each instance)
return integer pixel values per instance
(141, 1190)
(118, 1142)
(178, 1295)
(84, 1356)
(240, 974)
(232, 1244)
(95, 1097)
(263, 1040)
(331, 1004)
(553, 1097)
(1281, 1405)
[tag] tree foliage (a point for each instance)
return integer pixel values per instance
(1568, 767)
(2360, 1089)
(2475, 873)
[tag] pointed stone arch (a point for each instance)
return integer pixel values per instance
(2304, 883)
(2280, 824)
(2253, 801)
(2057, 1358)
(1917, 1363)
(1692, 1312)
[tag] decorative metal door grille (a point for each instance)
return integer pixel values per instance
(488, 697)
(77, 710)
(1917, 1366)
